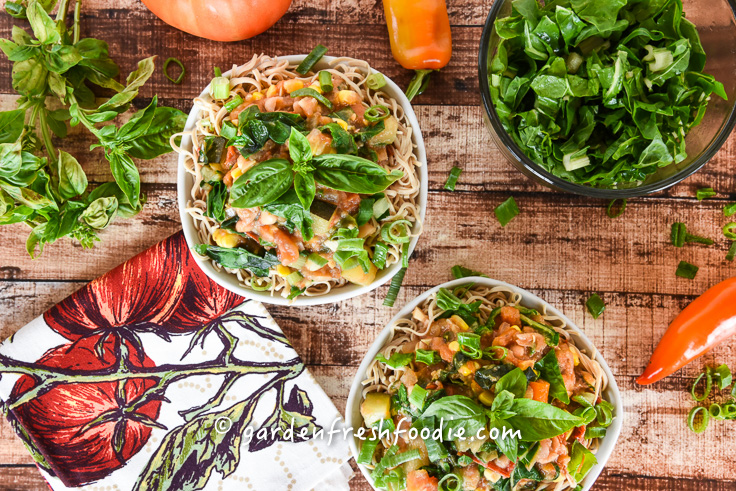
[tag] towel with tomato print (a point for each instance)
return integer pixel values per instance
(153, 377)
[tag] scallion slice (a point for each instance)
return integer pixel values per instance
(679, 236)
(380, 252)
(418, 396)
(405, 255)
(233, 103)
(729, 209)
(708, 385)
(489, 352)
(178, 79)
(698, 427)
(704, 193)
(728, 230)
(376, 113)
(723, 377)
(615, 214)
(595, 306)
(731, 252)
(716, 411)
(470, 344)
(220, 86)
(450, 482)
(428, 357)
(325, 81)
(506, 211)
(309, 92)
(396, 232)
(595, 432)
(312, 58)
(375, 81)
(402, 458)
(365, 457)
(686, 270)
(452, 178)
(393, 290)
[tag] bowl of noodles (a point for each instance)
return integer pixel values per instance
(301, 186)
(478, 384)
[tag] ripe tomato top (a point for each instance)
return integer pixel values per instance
(58, 419)
(220, 20)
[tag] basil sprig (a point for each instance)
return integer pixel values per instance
(267, 181)
(46, 187)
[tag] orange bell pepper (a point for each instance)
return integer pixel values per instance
(419, 31)
(707, 321)
(540, 390)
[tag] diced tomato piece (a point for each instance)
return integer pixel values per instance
(511, 315)
(420, 480)
(540, 390)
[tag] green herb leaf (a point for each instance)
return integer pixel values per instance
(216, 200)
(72, 179)
(514, 382)
(506, 211)
(262, 184)
(238, 258)
(549, 370)
(352, 174)
(299, 148)
(288, 206)
(581, 461)
(595, 306)
(686, 270)
(397, 360)
(538, 421)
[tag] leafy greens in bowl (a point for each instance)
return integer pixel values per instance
(503, 390)
(603, 94)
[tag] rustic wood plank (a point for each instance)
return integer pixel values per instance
(21, 478)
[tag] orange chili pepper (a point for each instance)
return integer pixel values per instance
(707, 321)
(419, 31)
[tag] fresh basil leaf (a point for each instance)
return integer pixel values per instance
(44, 27)
(239, 258)
(289, 207)
(581, 461)
(299, 148)
(342, 141)
(126, 176)
(100, 213)
(61, 58)
(549, 370)
(11, 125)
(370, 131)
(216, 200)
(262, 184)
(513, 382)
(352, 174)
(27, 197)
(278, 131)
(139, 124)
(29, 77)
(16, 52)
(10, 159)
(538, 421)
(305, 188)
(457, 412)
(110, 190)
(72, 179)
(155, 140)
(503, 401)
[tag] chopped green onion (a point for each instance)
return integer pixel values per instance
(506, 211)
(450, 482)
(731, 252)
(464, 461)
(220, 86)
(376, 113)
(418, 84)
(312, 58)
(595, 432)
(679, 236)
(470, 344)
(489, 352)
(686, 270)
(381, 207)
(729, 409)
(384, 425)
(729, 209)
(375, 81)
(393, 290)
(402, 458)
(704, 193)
(400, 236)
(260, 288)
(452, 178)
(723, 376)
(428, 357)
(218, 72)
(405, 255)
(397, 360)
(604, 413)
(380, 252)
(367, 450)
(699, 428)
(309, 92)
(325, 81)
(462, 272)
(595, 306)
(381, 466)
(708, 385)
(233, 103)
(728, 230)
(418, 396)
(616, 214)
(228, 130)
(178, 79)
(716, 411)
(295, 291)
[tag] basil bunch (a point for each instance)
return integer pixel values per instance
(44, 187)
(267, 181)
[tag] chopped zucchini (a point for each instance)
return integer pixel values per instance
(294, 278)
(299, 263)
(320, 226)
(210, 175)
(322, 209)
(375, 407)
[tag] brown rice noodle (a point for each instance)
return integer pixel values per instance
(382, 378)
(258, 74)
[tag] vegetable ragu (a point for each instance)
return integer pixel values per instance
(53, 72)
(419, 32)
(600, 93)
(518, 405)
(308, 183)
(709, 320)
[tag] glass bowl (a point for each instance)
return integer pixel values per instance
(716, 23)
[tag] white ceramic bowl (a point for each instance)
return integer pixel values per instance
(229, 281)
(354, 420)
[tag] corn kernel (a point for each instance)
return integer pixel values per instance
(315, 85)
(340, 122)
(235, 173)
(516, 327)
(454, 346)
(283, 270)
(226, 239)
(256, 96)
(464, 371)
(459, 322)
(468, 369)
(347, 97)
(272, 91)
(292, 85)
(486, 398)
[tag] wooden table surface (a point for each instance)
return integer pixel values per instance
(561, 247)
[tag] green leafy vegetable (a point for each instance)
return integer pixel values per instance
(238, 258)
(514, 382)
(396, 360)
(581, 461)
(595, 305)
(312, 58)
(600, 93)
(679, 236)
(183, 71)
(705, 193)
(549, 370)
(462, 272)
(506, 211)
(686, 270)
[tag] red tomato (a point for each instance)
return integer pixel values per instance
(420, 480)
(56, 418)
(220, 20)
